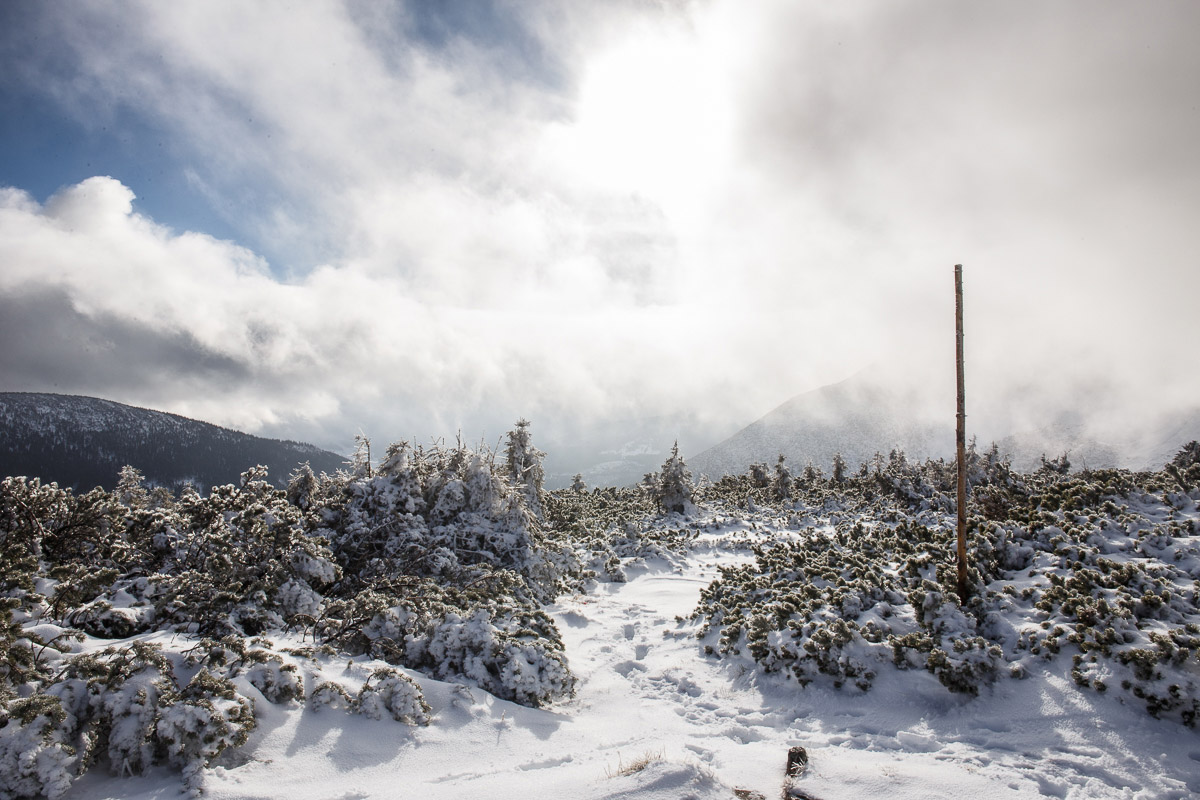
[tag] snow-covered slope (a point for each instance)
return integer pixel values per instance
(656, 718)
(84, 441)
(372, 637)
(855, 418)
(860, 417)
(1141, 444)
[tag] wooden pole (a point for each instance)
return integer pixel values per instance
(961, 438)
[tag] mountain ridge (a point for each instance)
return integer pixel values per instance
(858, 418)
(853, 418)
(82, 442)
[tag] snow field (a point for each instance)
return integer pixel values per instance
(704, 725)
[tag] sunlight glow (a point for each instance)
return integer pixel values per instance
(652, 118)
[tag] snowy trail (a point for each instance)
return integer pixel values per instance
(706, 725)
(646, 688)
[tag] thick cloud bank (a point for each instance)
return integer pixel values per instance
(620, 210)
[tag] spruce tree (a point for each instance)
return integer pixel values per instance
(360, 462)
(782, 484)
(524, 467)
(131, 489)
(303, 490)
(675, 484)
(760, 475)
(839, 468)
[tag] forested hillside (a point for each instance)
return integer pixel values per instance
(82, 442)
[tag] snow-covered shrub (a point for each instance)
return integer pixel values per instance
(839, 468)
(101, 705)
(122, 706)
(130, 713)
(533, 670)
(112, 699)
(328, 694)
(1101, 566)
(828, 607)
(512, 652)
(296, 598)
(971, 662)
(34, 759)
(47, 524)
(395, 693)
(279, 682)
(440, 534)
(437, 537)
(240, 547)
(201, 722)
(44, 530)
(760, 475)
(437, 512)
(784, 610)
(98, 618)
(1060, 465)
(386, 692)
(303, 489)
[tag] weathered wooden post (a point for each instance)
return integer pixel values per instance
(961, 438)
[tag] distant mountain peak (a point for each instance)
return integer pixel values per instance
(862, 416)
(855, 417)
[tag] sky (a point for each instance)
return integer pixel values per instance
(413, 219)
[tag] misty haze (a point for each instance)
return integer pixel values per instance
(564, 394)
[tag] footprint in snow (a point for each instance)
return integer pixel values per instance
(1049, 787)
(742, 735)
(679, 683)
(626, 668)
(574, 619)
(557, 761)
(918, 743)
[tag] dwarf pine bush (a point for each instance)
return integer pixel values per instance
(1108, 560)
(435, 561)
(438, 561)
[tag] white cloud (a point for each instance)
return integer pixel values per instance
(709, 207)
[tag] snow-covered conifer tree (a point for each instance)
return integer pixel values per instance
(405, 492)
(360, 462)
(760, 475)
(303, 489)
(839, 468)
(782, 484)
(131, 489)
(1057, 466)
(675, 484)
(524, 462)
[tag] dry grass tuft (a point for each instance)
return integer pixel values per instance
(637, 765)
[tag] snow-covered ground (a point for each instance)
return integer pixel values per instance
(703, 726)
